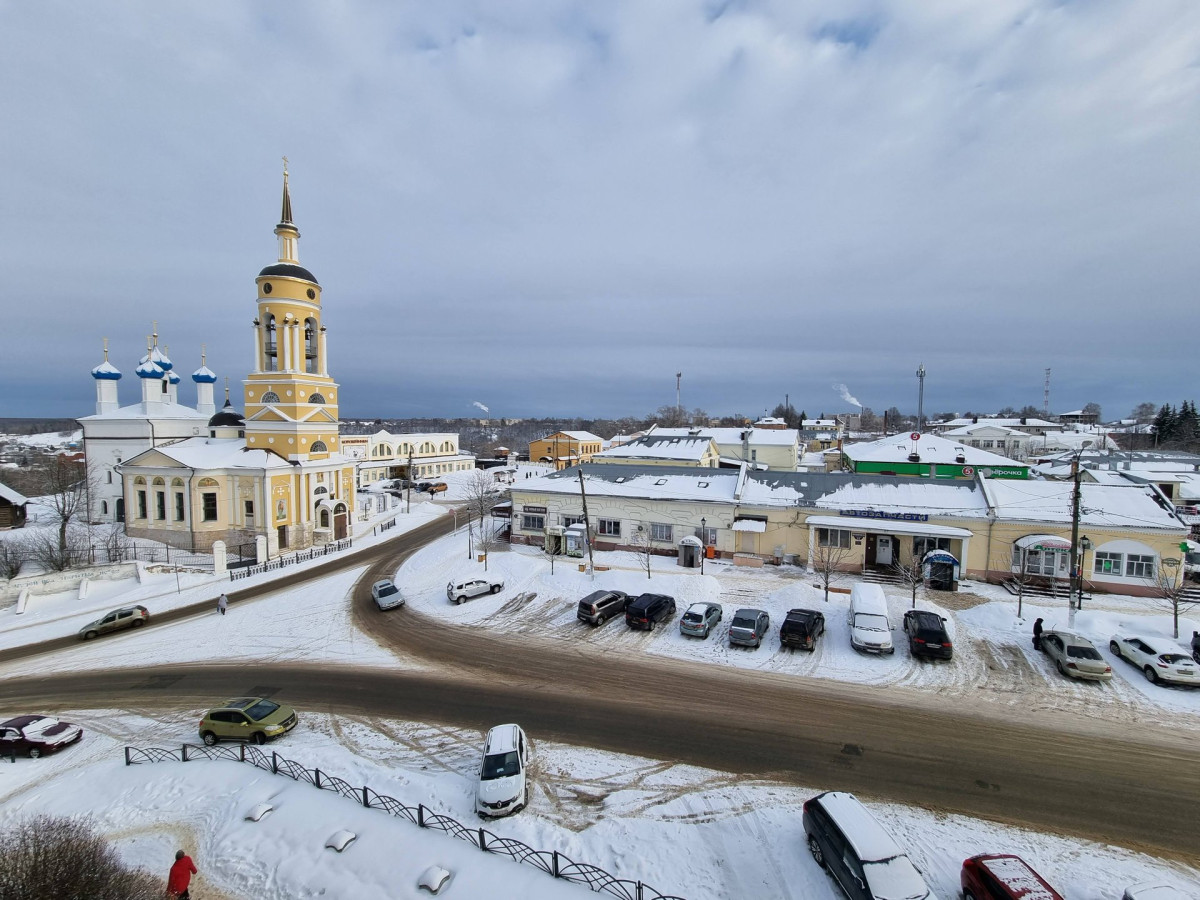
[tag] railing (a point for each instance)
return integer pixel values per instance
(384, 526)
(280, 562)
(553, 863)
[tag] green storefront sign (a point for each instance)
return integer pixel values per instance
(943, 470)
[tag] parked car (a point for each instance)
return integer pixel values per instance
(865, 861)
(458, 591)
(748, 627)
(870, 627)
(247, 719)
(927, 634)
(437, 487)
(421, 486)
(600, 606)
(1075, 657)
(1153, 890)
(386, 595)
(117, 620)
(503, 785)
(35, 735)
(646, 610)
(1159, 658)
(801, 628)
(700, 619)
(1002, 876)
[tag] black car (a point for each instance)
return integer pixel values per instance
(801, 629)
(927, 634)
(647, 610)
(600, 606)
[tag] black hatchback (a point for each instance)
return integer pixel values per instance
(647, 610)
(927, 634)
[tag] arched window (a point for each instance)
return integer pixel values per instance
(447, 447)
(320, 489)
(324, 518)
(177, 482)
(270, 397)
(139, 480)
(316, 398)
(382, 450)
(158, 480)
(319, 447)
(104, 507)
(310, 347)
(427, 447)
(270, 348)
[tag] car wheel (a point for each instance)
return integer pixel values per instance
(34, 752)
(209, 738)
(967, 895)
(88, 635)
(1115, 648)
(138, 623)
(1058, 665)
(496, 588)
(259, 738)
(1151, 675)
(816, 851)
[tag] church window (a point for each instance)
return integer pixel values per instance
(158, 481)
(141, 504)
(210, 506)
(324, 518)
(104, 507)
(270, 397)
(319, 447)
(160, 505)
(178, 507)
(270, 348)
(249, 510)
(108, 476)
(316, 398)
(310, 345)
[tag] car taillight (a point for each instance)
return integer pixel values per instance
(1108, 668)
(1072, 665)
(947, 644)
(918, 640)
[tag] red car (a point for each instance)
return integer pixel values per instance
(35, 735)
(1003, 875)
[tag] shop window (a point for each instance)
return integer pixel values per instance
(609, 527)
(1139, 566)
(533, 523)
(1108, 564)
(922, 545)
(570, 520)
(659, 532)
(833, 537)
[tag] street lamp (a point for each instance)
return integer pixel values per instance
(1085, 545)
(703, 543)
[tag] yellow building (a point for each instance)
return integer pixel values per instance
(384, 455)
(277, 473)
(565, 448)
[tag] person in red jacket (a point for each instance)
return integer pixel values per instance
(181, 876)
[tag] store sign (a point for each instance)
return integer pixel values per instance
(993, 472)
(879, 514)
(533, 509)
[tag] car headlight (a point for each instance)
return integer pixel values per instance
(274, 728)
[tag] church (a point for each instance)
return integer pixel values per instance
(277, 470)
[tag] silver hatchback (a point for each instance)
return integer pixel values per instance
(700, 619)
(748, 627)
(1075, 657)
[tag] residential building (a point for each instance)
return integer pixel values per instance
(385, 455)
(928, 455)
(565, 448)
(998, 439)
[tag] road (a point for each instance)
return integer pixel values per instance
(1073, 776)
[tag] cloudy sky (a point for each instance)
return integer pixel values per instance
(552, 207)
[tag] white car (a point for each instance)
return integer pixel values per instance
(458, 591)
(1160, 659)
(386, 595)
(1153, 890)
(503, 786)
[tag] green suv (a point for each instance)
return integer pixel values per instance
(247, 719)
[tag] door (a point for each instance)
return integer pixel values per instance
(108, 623)
(120, 509)
(883, 550)
(339, 526)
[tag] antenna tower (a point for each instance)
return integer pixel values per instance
(678, 378)
(1046, 397)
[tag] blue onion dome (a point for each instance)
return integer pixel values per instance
(148, 369)
(204, 375)
(173, 378)
(106, 371)
(160, 358)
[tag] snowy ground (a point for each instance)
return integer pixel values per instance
(698, 833)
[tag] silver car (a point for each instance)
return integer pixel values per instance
(748, 627)
(700, 619)
(386, 595)
(1075, 657)
(458, 591)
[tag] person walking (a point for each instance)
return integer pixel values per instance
(181, 874)
(222, 602)
(1196, 646)
(1037, 635)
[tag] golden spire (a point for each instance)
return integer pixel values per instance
(286, 217)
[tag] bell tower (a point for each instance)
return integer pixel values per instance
(290, 398)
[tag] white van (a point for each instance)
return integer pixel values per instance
(870, 627)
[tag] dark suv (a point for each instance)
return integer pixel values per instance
(801, 629)
(600, 606)
(927, 634)
(647, 610)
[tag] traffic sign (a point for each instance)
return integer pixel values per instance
(916, 435)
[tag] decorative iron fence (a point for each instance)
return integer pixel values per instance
(281, 562)
(384, 526)
(553, 863)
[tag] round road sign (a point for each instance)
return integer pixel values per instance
(916, 435)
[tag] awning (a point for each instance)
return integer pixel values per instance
(886, 526)
(755, 525)
(1043, 542)
(940, 556)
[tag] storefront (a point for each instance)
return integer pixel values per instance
(878, 542)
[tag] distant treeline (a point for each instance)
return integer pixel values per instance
(36, 426)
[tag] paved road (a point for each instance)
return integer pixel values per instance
(1061, 774)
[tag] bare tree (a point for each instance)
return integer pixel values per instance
(44, 548)
(486, 541)
(644, 548)
(481, 493)
(911, 574)
(827, 562)
(1172, 591)
(1019, 575)
(64, 488)
(117, 545)
(12, 555)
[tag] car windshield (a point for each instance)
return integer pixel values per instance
(895, 879)
(871, 622)
(1079, 652)
(261, 710)
(387, 590)
(1173, 658)
(693, 618)
(500, 765)
(743, 622)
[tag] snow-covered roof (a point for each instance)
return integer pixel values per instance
(984, 426)
(139, 411)
(659, 446)
(106, 370)
(1071, 440)
(583, 436)
(647, 482)
(1102, 505)
(931, 448)
(777, 437)
(1027, 422)
(882, 493)
(13, 497)
(216, 453)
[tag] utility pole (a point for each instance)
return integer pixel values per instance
(587, 528)
(920, 396)
(678, 405)
(1076, 576)
(408, 493)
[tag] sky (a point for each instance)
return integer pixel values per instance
(551, 208)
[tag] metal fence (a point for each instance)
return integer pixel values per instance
(82, 557)
(280, 562)
(553, 863)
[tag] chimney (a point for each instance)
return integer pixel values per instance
(974, 420)
(1024, 420)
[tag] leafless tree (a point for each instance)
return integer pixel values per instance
(64, 488)
(1021, 577)
(550, 550)
(12, 555)
(117, 545)
(911, 574)
(44, 547)
(643, 546)
(827, 562)
(1171, 591)
(486, 541)
(481, 494)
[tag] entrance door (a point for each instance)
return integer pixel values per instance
(283, 537)
(339, 526)
(120, 509)
(883, 550)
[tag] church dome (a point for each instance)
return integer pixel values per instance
(149, 369)
(106, 371)
(288, 270)
(160, 359)
(228, 417)
(173, 378)
(204, 375)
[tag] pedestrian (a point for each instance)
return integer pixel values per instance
(1196, 646)
(222, 602)
(1037, 634)
(181, 876)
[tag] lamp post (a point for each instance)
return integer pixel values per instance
(1085, 545)
(703, 543)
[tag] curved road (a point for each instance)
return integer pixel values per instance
(1060, 774)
